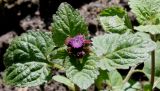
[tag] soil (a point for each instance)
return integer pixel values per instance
(18, 16)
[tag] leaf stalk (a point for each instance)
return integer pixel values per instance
(152, 64)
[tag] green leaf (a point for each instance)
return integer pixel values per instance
(115, 20)
(113, 24)
(147, 66)
(27, 74)
(146, 86)
(65, 81)
(114, 79)
(157, 83)
(112, 11)
(67, 22)
(34, 45)
(152, 29)
(104, 64)
(146, 11)
(102, 77)
(58, 56)
(137, 86)
(122, 51)
(83, 75)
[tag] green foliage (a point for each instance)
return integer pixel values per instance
(112, 11)
(135, 87)
(84, 74)
(147, 67)
(146, 11)
(152, 29)
(58, 56)
(28, 47)
(115, 80)
(30, 56)
(67, 22)
(65, 81)
(122, 51)
(27, 74)
(115, 20)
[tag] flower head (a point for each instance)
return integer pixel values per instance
(77, 46)
(77, 41)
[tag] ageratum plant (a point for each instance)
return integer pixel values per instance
(31, 56)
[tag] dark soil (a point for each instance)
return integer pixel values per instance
(18, 16)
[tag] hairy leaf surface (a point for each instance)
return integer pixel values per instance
(67, 22)
(152, 29)
(115, 20)
(122, 51)
(29, 46)
(83, 75)
(146, 11)
(27, 74)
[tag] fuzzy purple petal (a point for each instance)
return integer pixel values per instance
(77, 41)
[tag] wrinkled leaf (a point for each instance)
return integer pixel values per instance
(122, 51)
(67, 22)
(83, 75)
(146, 11)
(34, 45)
(152, 29)
(105, 64)
(113, 24)
(27, 74)
(115, 20)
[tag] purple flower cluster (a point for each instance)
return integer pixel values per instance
(77, 46)
(77, 41)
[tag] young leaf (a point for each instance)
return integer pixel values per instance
(27, 74)
(146, 11)
(115, 19)
(83, 75)
(113, 24)
(122, 51)
(58, 55)
(29, 46)
(152, 29)
(65, 81)
(67, 22)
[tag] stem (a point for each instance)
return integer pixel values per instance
(152, 68)
(152, 64)
(131, 71)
